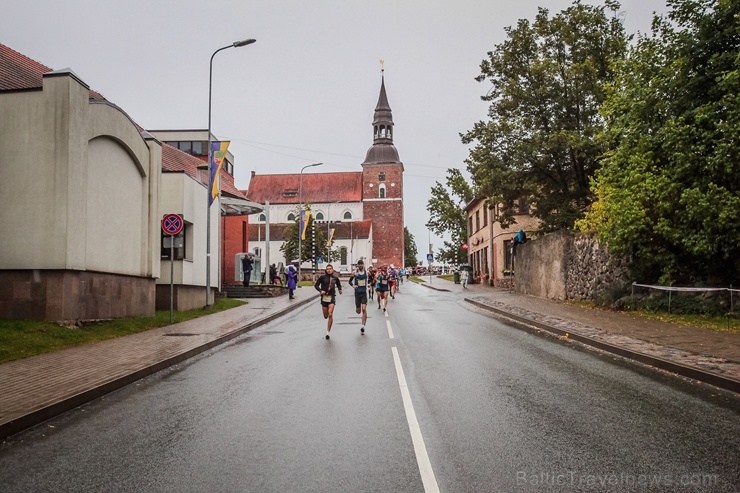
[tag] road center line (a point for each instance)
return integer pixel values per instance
(390, 329)
(422, 458)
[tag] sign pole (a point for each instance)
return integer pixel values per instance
(172, 276)
(172, 224)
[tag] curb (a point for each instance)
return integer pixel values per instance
(704, 376)
(55, 409)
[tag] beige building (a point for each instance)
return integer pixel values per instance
(82, 196)
(79, 184)
(490, 250)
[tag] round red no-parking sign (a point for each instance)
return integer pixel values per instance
(172, 224)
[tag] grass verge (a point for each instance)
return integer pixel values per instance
(729, 324)
(24, 338)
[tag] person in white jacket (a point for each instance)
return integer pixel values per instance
(464, 278)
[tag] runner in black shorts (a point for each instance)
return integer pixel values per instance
(359, 282)
(327, 285)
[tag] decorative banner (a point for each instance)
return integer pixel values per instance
(218, 154)
(331, 238)
(303, 224)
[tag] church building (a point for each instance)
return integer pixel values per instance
(364, 208)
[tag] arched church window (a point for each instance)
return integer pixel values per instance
(381, 191)
(343, 255)
(319, 216)
(347, 215)
(263, 218)
(291, 217)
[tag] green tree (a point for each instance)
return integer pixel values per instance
(310, 249)
(668, 195)
(410, 253)
(447, 215)
(547, 88)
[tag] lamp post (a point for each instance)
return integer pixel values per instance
(235, 44)
(300, 214)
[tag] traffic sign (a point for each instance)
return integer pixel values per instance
(319, 260)
(172, 224)
(430, 257)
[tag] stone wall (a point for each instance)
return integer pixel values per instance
(566, 266)
(591, 270)
(540, 266)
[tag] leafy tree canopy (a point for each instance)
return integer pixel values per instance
(410, 253)
(547, 82)
(447, 215)
(668, 192)
(312, 247)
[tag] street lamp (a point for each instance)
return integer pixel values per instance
(300, 214)
(235, 44)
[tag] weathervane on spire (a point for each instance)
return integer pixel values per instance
(381, 66)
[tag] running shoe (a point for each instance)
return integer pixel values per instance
(362, 330)
(327, 337)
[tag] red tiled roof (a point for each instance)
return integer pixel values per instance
(358, 229)
(176, 161)
(18, 72)
(315, 188)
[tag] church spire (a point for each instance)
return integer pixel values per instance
(382, 150)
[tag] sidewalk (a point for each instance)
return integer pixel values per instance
(38, 388)
(702, 354)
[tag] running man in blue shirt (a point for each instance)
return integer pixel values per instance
(359, 281)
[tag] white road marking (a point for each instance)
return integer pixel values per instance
(422, 458)
(390, 330)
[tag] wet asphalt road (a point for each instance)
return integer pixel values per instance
(283, 410)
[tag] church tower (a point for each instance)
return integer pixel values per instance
(382, 187)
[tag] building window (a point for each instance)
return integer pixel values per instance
(263, 218)
(470, 225)
(485, 215)
(198, 148)
(179, 250)
(477, 220)
(291, 217)
(381, 176)
(508, 256)
(523, 206)
(319, 216)
(257, 252)
(347, 215)
(381, 191)
(343, 255)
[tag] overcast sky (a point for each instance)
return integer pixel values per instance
(306, 90)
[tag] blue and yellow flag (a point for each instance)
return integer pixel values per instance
(218, 154)
(331, 238)
(303, 224)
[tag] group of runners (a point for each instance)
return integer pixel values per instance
(370, 283)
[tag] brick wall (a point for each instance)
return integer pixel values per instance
(234, 240)
(386, 215)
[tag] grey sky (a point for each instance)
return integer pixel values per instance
(305, 92)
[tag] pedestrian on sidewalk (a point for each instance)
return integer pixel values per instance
(328, 284)
(247, 268)
(359, 282)
(292, 281)
(464, 278)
